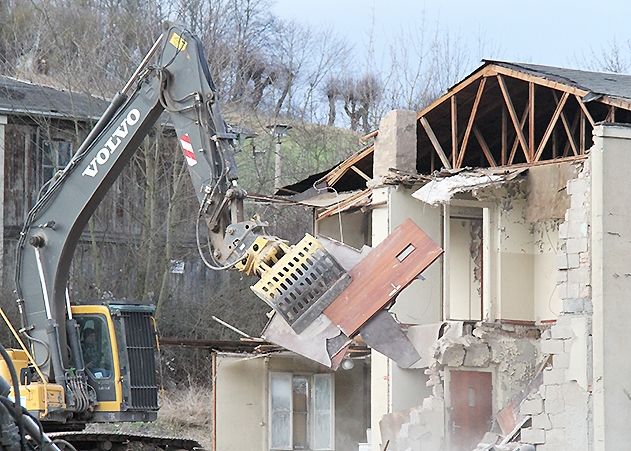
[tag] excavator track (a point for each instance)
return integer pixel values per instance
(114, 441)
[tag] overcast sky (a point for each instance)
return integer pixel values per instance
(563, 33)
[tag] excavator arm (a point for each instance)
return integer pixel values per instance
(299, 282)
(179, 83)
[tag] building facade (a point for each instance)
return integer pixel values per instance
(518, 171)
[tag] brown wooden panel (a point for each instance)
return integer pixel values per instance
(379, 277)
(471, 408)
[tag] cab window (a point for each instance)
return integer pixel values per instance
(96, 346)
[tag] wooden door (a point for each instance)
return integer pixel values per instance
(471, 408)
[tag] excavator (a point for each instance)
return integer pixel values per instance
(82, 363)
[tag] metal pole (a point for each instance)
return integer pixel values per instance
(277, 167)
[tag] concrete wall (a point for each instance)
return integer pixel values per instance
(395, 389)
(561, 407)
(611, 285)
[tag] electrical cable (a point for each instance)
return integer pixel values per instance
(16, 394)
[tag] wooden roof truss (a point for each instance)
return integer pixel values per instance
(501, 117)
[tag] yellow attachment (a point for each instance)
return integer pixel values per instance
(298, 280)
(262, 255)
(41, 399)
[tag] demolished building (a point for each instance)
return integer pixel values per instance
(519, 172)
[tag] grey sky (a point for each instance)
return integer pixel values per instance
(563, 33)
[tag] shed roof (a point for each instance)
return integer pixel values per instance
(20, 97)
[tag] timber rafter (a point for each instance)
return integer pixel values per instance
(501, 116)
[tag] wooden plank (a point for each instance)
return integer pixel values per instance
(360, 173)
(612, 101)
(582, 134)
(504, 135)
(437, 147)
(572, 130)
(531, 119)
(370, 135)
(555, 144)
(585, 110)
(539, 80)
(513, 116)
(467, 132)
(332, 177)
(343, 205)
(483, 72)
(382, 275)
(454, 130)
(524, 116)
(485, 147)
(553, 120)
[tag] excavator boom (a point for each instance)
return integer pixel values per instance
(319, 304)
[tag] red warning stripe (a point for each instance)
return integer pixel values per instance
(187, 149)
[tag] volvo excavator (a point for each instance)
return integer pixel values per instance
(81, 363)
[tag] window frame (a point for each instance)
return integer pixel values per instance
(54, 144)
(107, 351)
(311, 381)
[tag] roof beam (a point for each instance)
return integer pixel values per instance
(467, 132)
(538, 80)
(569, 131)
(484, 71)
(360, 173)
(585, 110)
(332, 177)
(437, 147)
(454, 130)
(513, 116)
(581, 133)
(484, 146)
(553, 121)
(513, 150)
(531, 119)
(572, 130)
(504, 135)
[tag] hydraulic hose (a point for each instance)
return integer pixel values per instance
(16, 394)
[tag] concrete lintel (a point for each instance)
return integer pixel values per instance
(613, 130)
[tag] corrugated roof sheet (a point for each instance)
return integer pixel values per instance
(24, 98)
(616, 85)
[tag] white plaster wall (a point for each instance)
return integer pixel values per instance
(547, 302)
(380, 374)
(611, 285)
(355, 228)
(241, 409)
(516, 277)
(392, 388)
(420, 303)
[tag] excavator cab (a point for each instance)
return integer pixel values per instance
(118, 343)
(118, 346)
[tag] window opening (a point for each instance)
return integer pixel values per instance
(96, 346)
